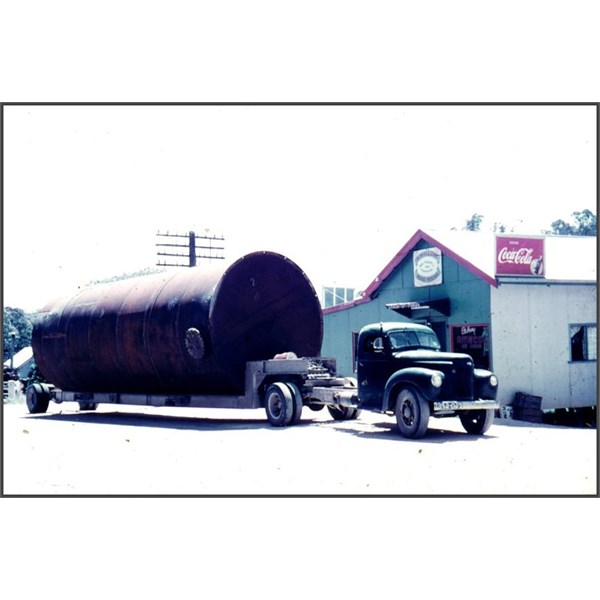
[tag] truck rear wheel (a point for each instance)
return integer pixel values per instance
(88, 406)
(477, 422)
(412, 413)
(297, 399)
(279, 404)
(38, 398)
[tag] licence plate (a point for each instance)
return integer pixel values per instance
(464, 405)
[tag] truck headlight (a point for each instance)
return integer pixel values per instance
(436, 380)
(493, 380)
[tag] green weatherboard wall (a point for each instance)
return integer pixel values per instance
(469, 297)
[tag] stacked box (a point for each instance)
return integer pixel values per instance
(527, 408)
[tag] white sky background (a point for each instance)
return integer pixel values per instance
(338, 189)
(86, 188)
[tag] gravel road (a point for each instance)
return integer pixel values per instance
(150, 451)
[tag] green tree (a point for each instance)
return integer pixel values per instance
(15, 322)
(585, 224)
(34, 376)
(474, 223)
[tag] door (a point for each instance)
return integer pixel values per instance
(439, 328)
(373, 369)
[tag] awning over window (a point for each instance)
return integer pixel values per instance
(413, 309)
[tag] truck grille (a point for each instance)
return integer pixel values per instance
(458, 381)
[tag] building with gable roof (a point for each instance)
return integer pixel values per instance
(522, 306)
(21, 362)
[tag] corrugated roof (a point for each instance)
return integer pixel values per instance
(571, 258)
(473, 250)
(567, 258)
(20, 357)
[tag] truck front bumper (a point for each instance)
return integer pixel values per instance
(452, 405)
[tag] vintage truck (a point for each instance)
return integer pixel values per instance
(248, 337)
(402, 371)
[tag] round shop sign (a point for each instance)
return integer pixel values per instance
(428, 266)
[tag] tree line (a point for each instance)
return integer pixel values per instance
(584, 224)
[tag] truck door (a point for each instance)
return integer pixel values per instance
(373, 369)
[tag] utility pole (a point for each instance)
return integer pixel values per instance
(189, 249)
(13, 335)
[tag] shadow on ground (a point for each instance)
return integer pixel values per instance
(387, 430)
(384, 430)
(160, 421)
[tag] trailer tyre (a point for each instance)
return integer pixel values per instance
(88, 405)
(297, 398)
(38, 398)
(343, 413)
(477, 422)
(412, 413)
(315, 406)
(279, 405)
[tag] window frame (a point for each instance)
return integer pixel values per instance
(585, 342)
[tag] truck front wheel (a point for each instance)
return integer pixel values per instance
(412, 413)
(477, 422)
(279, 404)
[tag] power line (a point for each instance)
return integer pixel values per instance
(191, 248)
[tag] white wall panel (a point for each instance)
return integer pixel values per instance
(531, 343)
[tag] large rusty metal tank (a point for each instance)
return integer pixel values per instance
(189, 332)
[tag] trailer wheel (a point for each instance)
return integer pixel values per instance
(38, 398)
(477, 422)
(279, 404)
(412, 413)
(88, 405)
(343, 413)
(297, 398)
(315, 406)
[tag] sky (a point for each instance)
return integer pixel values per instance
(337, 189)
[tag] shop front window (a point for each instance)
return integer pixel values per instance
(583, 342)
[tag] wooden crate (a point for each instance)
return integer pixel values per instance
(527, 407)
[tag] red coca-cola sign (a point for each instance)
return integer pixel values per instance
(523, 256)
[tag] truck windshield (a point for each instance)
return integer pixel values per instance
(402, 340)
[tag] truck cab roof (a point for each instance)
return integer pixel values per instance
(393, 326)
(396, 337)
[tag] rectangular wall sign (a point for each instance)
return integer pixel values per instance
(521, 256)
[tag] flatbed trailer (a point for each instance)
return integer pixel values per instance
(281, 386)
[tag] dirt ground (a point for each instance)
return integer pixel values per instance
(173, 451)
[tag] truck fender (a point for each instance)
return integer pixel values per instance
(417, 377)
(483, 388)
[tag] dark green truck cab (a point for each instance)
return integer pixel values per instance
(402, 371)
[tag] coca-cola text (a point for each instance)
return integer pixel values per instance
(522, 256)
